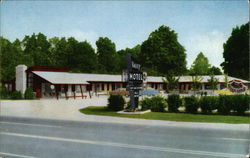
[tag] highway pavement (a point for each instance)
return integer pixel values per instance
(47, 138)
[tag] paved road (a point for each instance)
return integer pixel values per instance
(29, 138)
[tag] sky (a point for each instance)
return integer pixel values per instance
(202, 26)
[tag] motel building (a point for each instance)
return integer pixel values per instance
(55, 82)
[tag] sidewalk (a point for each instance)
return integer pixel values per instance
(69, 110)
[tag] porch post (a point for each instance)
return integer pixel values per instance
(65, 91)
(81, 91)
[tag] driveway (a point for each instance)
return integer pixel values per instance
(50, 108)
(69, 110)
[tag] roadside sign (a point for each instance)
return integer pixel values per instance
(135, 78)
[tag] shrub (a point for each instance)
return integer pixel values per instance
(3, 92)
(16, 95)
(29, 94)
(158, 104)
(116, 102)
(225, 104)
(240, 104)
(146, 103)
(191, 104)
(208, 103)
(174, 102)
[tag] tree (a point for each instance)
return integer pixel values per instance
(58, 51)
(122, 61)
(11, 55)
(236, 53)
(213, 82)
(200, 65)
(162, 53)
(196, 82)
(215, 71)
(85, 59)
(37, 47)
(171, 82)
(106, 53)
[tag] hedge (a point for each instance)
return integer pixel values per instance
(174, 102)
(146, 103)
(29, 94)
(225, 104)
(208, 103)
(155, 104)
(158, 104)
(3, 92)
(16, 95)
(191, 104)
(240, 104)
(115, 102)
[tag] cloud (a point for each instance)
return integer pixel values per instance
(211, 44)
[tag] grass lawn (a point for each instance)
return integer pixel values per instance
(183, 117)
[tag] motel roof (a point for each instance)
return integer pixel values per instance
(61, 77)
(205, 78)
(154, 79)
(188, 79)
(85, 78)
(76, 78)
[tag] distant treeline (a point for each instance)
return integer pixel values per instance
(160, 54)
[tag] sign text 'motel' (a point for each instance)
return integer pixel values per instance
(135, 76)
(135, 79)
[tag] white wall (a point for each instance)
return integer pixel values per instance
(21, 78)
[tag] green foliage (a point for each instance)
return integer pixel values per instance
(212, 82)
(237, 103)
(191, 104)
(37, 46)
(11, 55)
(3, 92)
(16, 95)
(200, 65)
(29, 94)
(236, 53)
(122, 58)
(145, 104)
(171, 82)
(158, 104)
(162, 52)
(155, 104)
(240, 104)
(116, 102)
(196, 82)
(225, 104)
(107, 56)
(208, 103)
(214, 71)
(174, 102)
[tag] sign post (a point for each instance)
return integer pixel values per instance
(135, 79)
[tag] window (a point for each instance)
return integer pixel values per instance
(30, 80)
